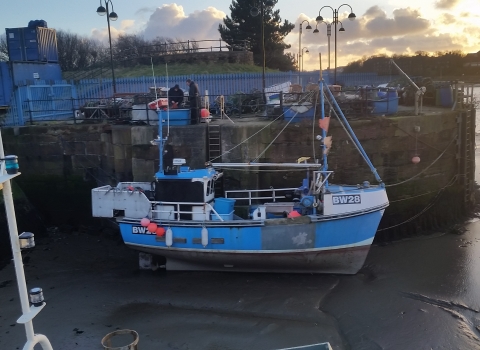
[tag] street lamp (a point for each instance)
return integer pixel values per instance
(335, 21)
(308, 27)
(302, 55)
(329, 34)
(254, 12)
(102, 11)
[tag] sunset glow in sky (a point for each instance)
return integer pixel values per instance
(392, 26)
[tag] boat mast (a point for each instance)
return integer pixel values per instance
(354, 137)
(322, 106)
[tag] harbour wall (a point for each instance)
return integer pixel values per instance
(60, 164)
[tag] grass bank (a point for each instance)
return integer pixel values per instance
(173, 69)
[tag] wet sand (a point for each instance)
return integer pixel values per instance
(421, 293)
(99, 289)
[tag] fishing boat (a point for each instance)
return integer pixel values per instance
(310, 227)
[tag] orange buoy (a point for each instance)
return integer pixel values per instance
(145, 222)
(160, 232)
(152, 227)
(204, 113)
(293, 214)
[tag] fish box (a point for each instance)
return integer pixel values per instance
(224, 205)
(200, 212)
(279, 208)
(296, 117)
(176, 117)
(385, 106)
(225, 217)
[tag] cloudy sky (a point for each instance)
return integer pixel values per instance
(390, 26)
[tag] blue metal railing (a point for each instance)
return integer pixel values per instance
(49, 100)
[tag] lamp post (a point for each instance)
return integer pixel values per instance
(329, 34)
(305, 48)
(102, 11)
(335, 21)
(264, 4)
(300, 52)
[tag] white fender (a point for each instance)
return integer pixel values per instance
(204, 237)
(169, 237)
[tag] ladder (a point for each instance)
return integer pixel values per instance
(469, 155)
(464, 103)
(214, 149)
(214, 142)
(463, 95)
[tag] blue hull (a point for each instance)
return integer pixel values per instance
(309, 244)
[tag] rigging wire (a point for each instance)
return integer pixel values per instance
(278, 135)
(428, 167)
(429, 205)
(313, 125)
(343, 126)
(256, 133)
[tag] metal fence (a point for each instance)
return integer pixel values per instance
(59, 100)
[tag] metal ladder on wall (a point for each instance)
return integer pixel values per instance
(463, 95)
(214, 151)
(469, 168)
(464, 101)
(214, 146)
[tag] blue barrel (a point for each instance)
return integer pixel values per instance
(446, 96)
(392, 93)
(224, 205)
(381, 94)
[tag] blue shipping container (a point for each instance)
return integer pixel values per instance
(29, 71)
(24, 73)
(6, 84)
(15, 44)
(32, 44)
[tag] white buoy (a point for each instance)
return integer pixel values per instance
(204, 237)
(169, 237)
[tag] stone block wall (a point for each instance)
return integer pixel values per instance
(60, 164)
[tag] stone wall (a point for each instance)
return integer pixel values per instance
(60, 164)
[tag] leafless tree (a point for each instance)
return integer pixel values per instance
(3, 48)
(78, 52)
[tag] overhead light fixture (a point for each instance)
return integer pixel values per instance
(101, 11)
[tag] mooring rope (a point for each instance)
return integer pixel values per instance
(429, 205)
(428, 167)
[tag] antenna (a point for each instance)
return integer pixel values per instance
(154, 82)
(168, 101)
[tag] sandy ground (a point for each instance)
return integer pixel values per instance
(419, 293)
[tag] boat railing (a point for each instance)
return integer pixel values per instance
(251, 195)
(176, 211)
